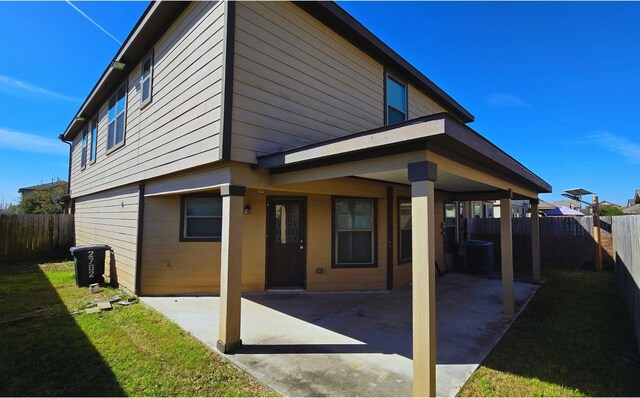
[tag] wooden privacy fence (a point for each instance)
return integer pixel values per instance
(35, 237)
(626, 244)
(564, 241)
(549, 226)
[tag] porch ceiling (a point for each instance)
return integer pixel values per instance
(446, 181)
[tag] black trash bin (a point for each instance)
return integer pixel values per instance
(89, 261)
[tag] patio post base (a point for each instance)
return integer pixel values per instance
(228, 348)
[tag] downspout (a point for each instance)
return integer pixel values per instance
(61, 138)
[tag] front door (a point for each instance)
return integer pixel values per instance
(286, 242)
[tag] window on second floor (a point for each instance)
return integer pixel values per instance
(83, 151)
(146, 79)
(93, 132)
(396, 100)
(117, 115)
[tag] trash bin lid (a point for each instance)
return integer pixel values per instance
(86, 248)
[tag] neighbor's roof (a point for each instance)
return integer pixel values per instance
(41, 186)
(161, 14)
(637, 196)
(635, 209)
(563, 211)
(544, 205)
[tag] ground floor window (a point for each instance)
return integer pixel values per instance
(450, 227)
(404, 230)
(354, 226)
(201, 218)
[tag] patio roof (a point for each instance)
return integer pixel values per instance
(439, 133)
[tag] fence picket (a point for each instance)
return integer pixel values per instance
(35, 237)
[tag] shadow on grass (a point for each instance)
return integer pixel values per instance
(574, 334)
(43, 352)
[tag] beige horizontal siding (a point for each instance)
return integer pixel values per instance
(180, 127)
(421, 105)
(296, 82)
(111, 218)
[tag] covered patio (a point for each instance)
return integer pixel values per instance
(424, 157)
(355, 344)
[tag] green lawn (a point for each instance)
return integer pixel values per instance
(573, 339)
(49, 346)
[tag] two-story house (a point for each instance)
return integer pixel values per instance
(244, 146)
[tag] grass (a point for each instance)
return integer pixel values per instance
(573, 339)
(50, 347)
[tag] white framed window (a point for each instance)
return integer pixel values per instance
(117, 116)
(201, 218)
(395, 100)
(83, 150)
(93, 132)
(146, 79)
(354, 226)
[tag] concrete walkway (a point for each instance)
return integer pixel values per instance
(354, 344)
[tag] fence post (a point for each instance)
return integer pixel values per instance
(596, 232)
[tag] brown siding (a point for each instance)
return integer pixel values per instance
(194, 267)
(173, 267)
(180, 128)
(111, 218)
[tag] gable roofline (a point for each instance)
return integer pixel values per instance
(153, 23)
(340, 21)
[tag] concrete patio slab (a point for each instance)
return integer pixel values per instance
(354, 344)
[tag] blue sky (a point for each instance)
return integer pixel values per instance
(555, 85)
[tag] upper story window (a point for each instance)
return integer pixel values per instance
(93, 131)
(201, 219)
(117, 115)
(396, 100)
(83, 153)
(354, 232)
(146, 79)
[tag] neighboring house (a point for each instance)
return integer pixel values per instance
(545, 206)
(572, 204)
(248, 145)
(636, 197)
(631, 202)
(59, 189)
(633, 209)
(608, 204)
(563, 211)
(27, 190)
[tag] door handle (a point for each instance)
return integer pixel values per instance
(301, 245)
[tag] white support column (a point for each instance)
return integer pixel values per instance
(231, 268)
(422, 176)
(506, 248)
(535, 241)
